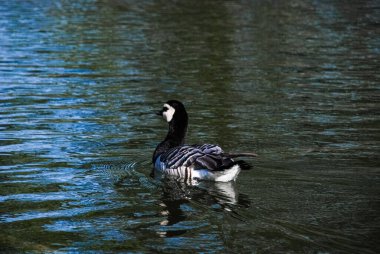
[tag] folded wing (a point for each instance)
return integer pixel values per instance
(205, 156)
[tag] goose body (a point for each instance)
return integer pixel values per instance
(192, 162)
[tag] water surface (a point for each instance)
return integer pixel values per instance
(295, 81)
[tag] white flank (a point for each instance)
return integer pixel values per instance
(189, 174)
(228, 174)
(217, 176)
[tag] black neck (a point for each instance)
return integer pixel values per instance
(175, 137)
(177, 132)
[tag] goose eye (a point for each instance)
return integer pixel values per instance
(165, 109)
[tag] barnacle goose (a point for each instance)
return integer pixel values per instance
(192, 162)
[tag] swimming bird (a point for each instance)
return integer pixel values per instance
(193, 162)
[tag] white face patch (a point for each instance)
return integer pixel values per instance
(168, 114)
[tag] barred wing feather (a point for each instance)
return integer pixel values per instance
(205, 156)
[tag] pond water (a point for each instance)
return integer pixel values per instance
(295, 81)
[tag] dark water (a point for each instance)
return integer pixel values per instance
(295, 81)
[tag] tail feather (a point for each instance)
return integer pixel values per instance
(243, 165)
(235, 155)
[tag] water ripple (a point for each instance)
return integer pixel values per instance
(295, 81)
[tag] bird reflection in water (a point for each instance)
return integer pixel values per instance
(179, 200)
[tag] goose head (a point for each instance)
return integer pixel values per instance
(174, 111)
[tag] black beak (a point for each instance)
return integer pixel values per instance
(159, 113)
